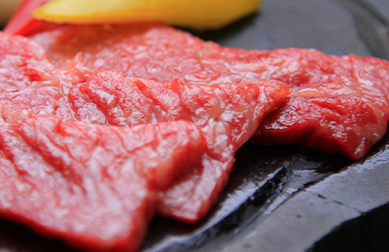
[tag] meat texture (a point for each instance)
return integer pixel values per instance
(26, 77)
(227, 114)
(95, 187)
(337, 104)
(29, 82)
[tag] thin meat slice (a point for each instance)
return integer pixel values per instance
(94, 187)
(335, 124)
(337, 104)
(162, 53)
(228, 114)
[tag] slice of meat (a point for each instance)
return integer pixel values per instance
(162, 53)
(94, 187)
(335, 124)
(337, 104)
(228, 114)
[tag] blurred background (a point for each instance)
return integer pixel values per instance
(7, 7)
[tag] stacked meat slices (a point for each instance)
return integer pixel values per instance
(337, 104)
(193, 104)
(74, 167)
(228, 114)
(95, 187)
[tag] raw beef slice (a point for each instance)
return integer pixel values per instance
(337, 104)
(94, 187)
(161, 53)
(228, 114)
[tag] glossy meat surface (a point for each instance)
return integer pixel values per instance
(26, 77)
(95, 187)
(337, 104)
(336, 124)
(161, 53)
(228, 114)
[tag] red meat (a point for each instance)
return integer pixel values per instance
(228, 114)
(343, 124)
(95, 187)
(337, 104)
(28, 81)
(25, 76)
(161, 53)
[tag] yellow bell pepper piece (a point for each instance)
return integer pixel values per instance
(200, 14)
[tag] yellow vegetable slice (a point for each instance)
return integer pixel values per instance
(200, 14)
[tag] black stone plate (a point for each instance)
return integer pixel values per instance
(284, 198)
